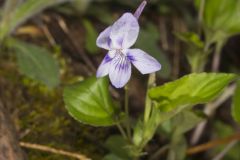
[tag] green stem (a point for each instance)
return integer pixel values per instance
(122, 131)
(200, 14)
(201, 60)
(216, 56)
(148, 102)
(126, 100)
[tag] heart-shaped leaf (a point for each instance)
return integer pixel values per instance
(89, 102)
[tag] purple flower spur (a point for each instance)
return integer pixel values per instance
(117, 39)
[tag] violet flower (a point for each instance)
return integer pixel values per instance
(117, 39)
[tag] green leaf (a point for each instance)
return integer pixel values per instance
(89, 102)
(236, 103)
(91, 36)
(190, 90)
(221, 129)
(188, 120)
(178, 148)
(37, 63)
(174, 97)
(221, 17)
(196, 55)
(118, 146)
(191, 38)
(151, 35)
(143, 132)
(24, 11)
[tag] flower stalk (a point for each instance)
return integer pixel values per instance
(148, 102)
(126, 107)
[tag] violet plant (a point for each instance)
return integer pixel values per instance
(118, 38)
(90, 101)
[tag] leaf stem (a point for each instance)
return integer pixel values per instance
(126, 101)
(217, 56)
(120, 128)
(200, 15)
(148, 102)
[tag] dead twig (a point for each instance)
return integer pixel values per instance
(31, 30)
(225, 151)
(48, 35)
(53, 150)
(214, 143)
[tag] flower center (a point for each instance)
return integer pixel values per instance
(120, 52)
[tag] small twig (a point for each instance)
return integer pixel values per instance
(30, 30)
(211, 144)
(45, 29)
(225, 151)
(48, 35)
(53, 150)
(210, 109)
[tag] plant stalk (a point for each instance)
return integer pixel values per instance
(217, 56)
(126, 102)
(200, 15)
(148, 102)
(120, 128)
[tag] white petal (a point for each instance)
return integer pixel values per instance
(103, 68)
(142, 61)
(103, 40)
(124, 31)
(120, 71)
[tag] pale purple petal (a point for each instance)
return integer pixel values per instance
(103, 68)
(142, 61)
(140, 9)
(103, 40)
(120, 71)
(124, 31)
